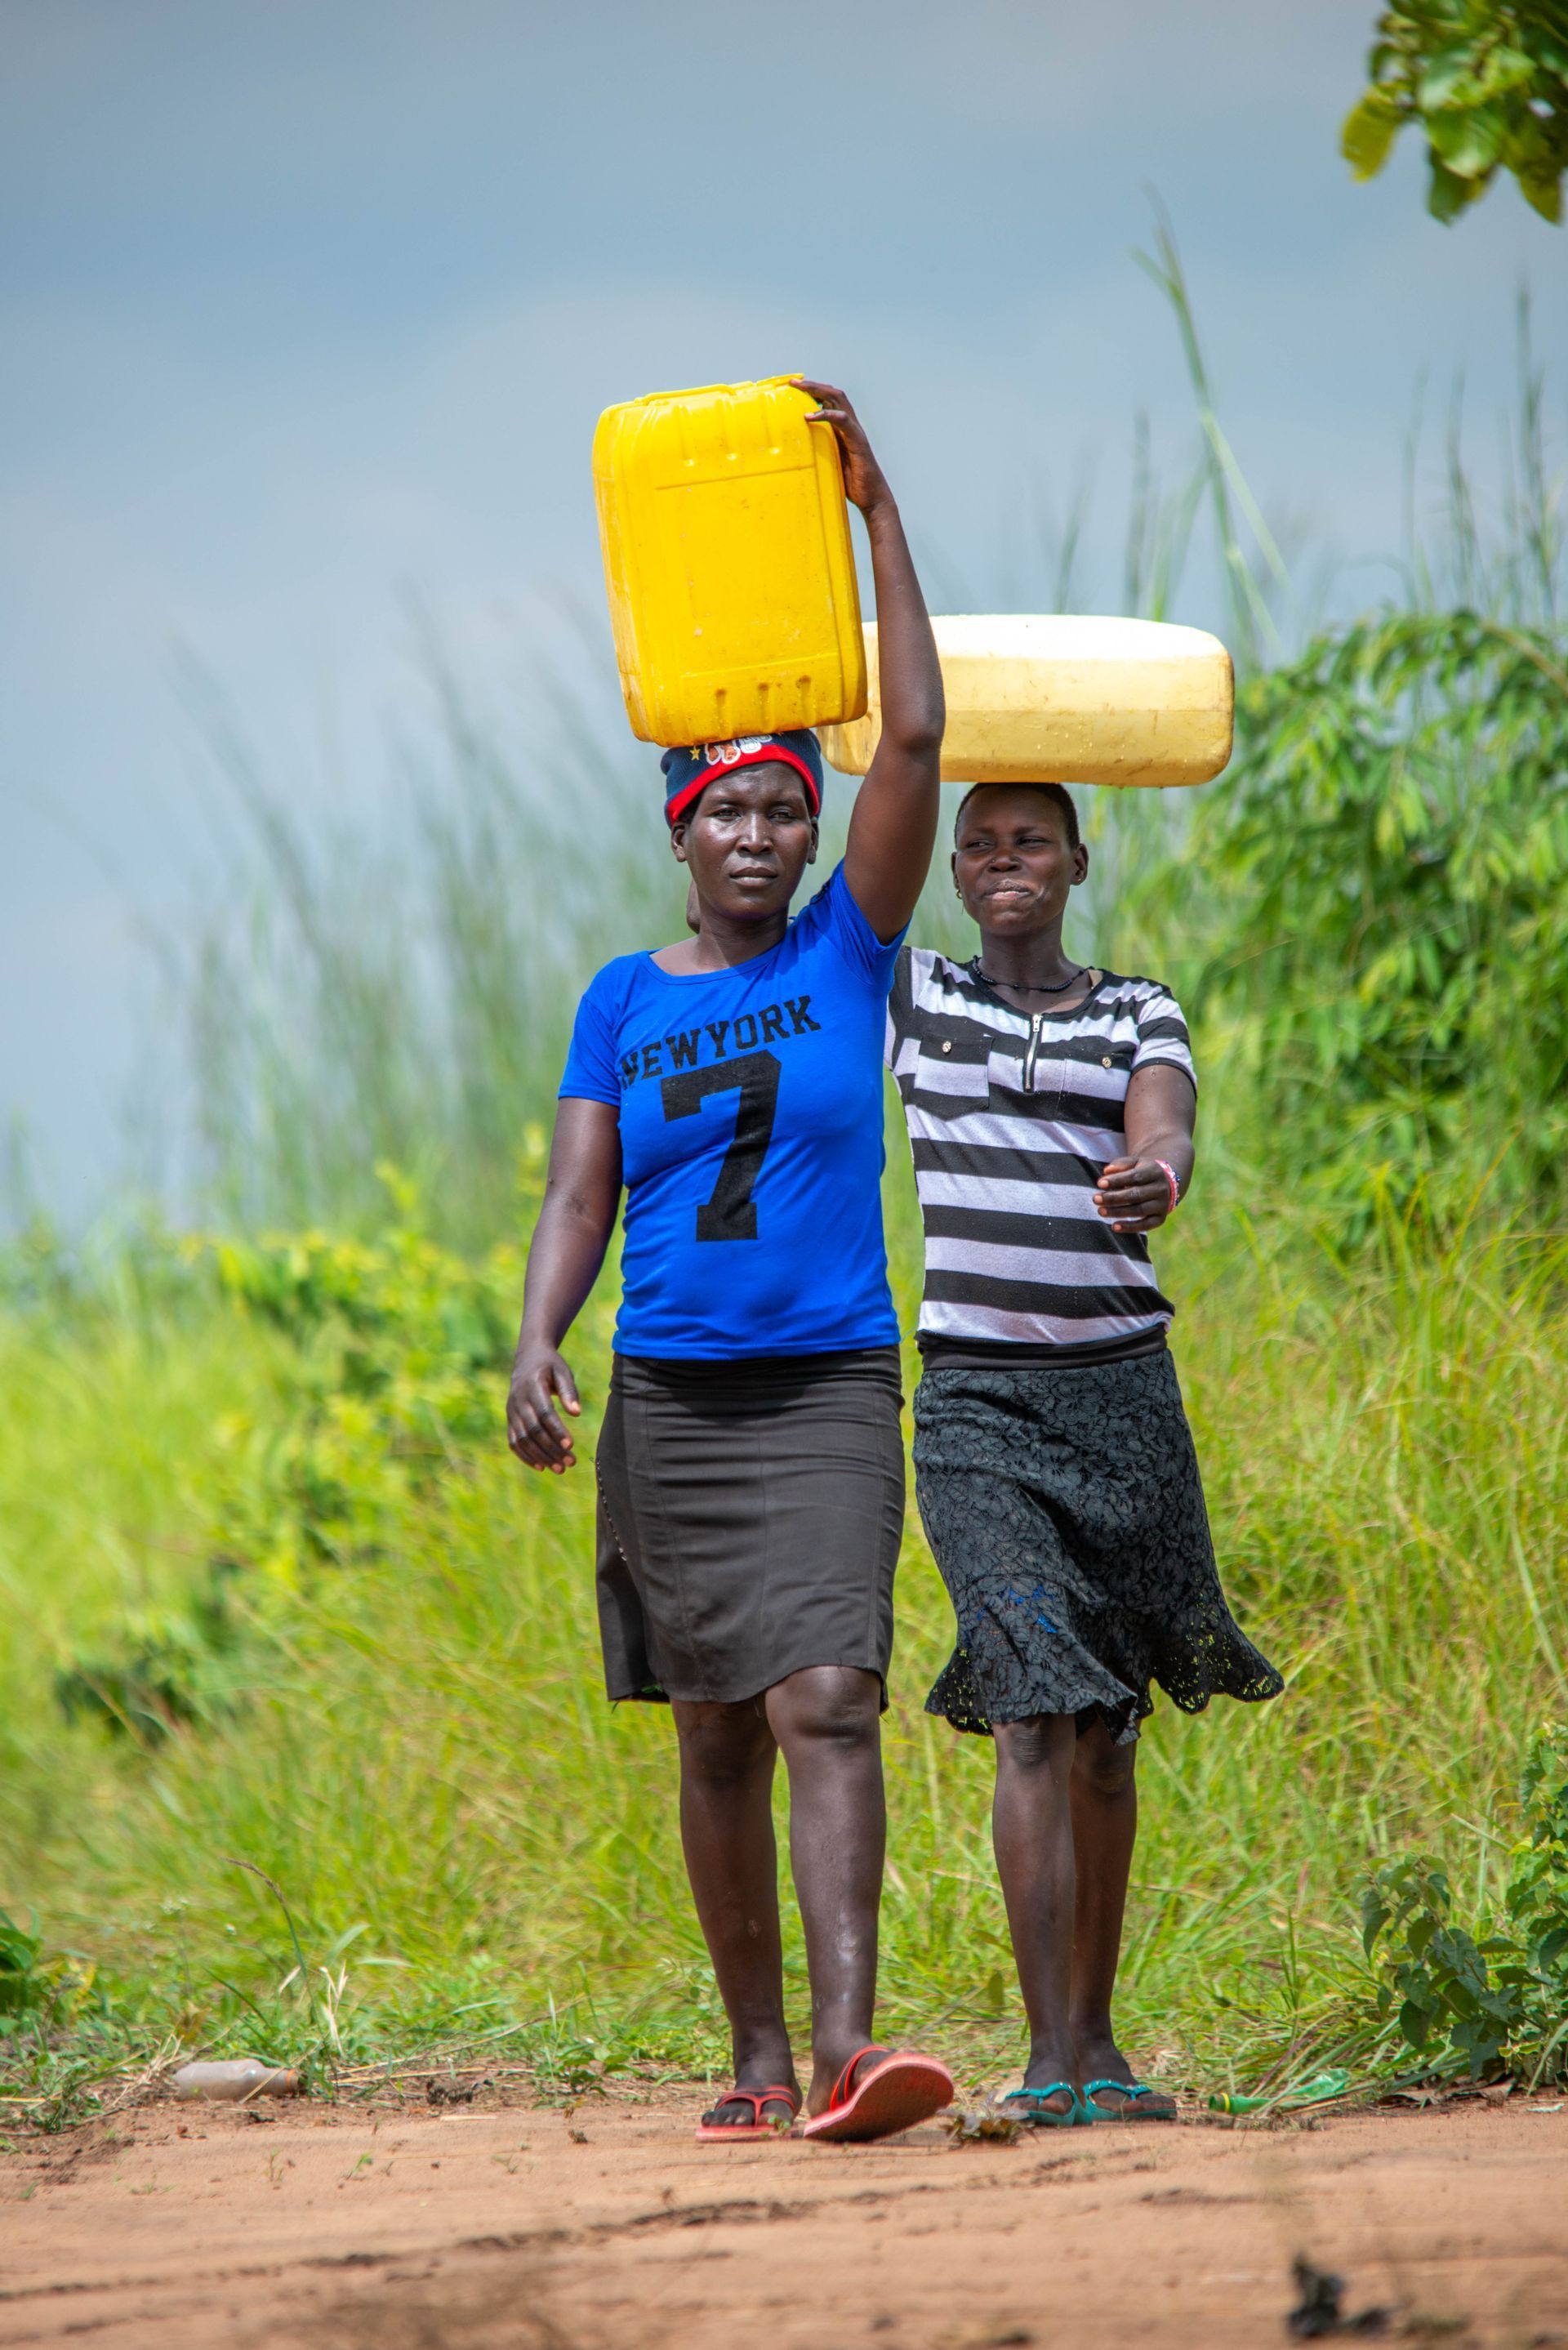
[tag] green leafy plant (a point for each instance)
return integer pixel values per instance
(164, 1669)
(37, 1985)
(1391, 952)
(1498, 1997)
(389, 1380)
(23, 1981)
(393, 1374)
(1488, 82)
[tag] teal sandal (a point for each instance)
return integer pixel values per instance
(1131, 2091)
(1037, 2114)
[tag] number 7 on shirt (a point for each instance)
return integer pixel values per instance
(730, 1213)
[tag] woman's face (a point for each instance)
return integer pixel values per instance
(748, 840)
(1014, 862)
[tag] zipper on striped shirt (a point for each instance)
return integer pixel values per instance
(1035, 1020)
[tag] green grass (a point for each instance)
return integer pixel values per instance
(475, 1850)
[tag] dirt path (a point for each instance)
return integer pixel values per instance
(609, 2230)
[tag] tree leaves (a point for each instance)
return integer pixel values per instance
(1390, 853)
(1468, 140)
(1370, 129)
(1488, 81)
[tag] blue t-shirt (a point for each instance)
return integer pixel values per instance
(751, 1130)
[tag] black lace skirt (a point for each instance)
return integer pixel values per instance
(1065, 1512)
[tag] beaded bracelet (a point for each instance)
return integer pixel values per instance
(1168, 1172)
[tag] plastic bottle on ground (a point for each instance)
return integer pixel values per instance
(236, 2080)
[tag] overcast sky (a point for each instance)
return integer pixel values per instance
(307, 304)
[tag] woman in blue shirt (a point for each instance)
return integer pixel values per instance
(750, 1464)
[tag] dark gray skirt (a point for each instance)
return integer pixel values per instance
(749, 1522)
(1065, 1512)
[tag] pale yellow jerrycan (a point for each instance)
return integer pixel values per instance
(728, 564)
(1068, 699)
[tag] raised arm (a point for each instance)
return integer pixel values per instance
(895, 820)
(582, 1192)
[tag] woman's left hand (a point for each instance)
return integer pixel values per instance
(865, 483)
(1133, 1195)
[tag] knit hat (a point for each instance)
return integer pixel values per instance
(688, 773)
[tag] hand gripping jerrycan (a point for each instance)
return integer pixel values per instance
(1059, 698)
(728, 564)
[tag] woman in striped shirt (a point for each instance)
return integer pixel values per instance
(1050, 1108)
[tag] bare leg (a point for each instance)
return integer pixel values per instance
(1105, 1827)
(1032, 1827)
(826, 1721)
(727, 1756)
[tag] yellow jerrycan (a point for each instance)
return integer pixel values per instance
(1053, 698)
(728, 565)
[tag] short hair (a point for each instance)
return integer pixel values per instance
(1057, 794)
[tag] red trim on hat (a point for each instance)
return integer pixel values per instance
(674, 809)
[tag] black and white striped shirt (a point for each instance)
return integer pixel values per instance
(1012, 1118)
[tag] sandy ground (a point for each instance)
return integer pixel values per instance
(608, 2226)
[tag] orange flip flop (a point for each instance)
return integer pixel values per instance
(712, 2133)
(903, 2089)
